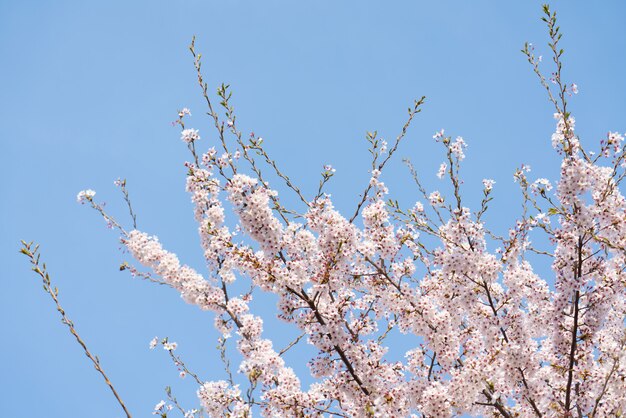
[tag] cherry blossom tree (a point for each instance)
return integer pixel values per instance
(494, 338)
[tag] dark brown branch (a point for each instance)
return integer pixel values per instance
(574, 341)
(344, 358)
(497, 404)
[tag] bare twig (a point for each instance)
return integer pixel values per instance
(33, 254)
(122, 185)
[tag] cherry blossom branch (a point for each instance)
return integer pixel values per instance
(219, 126)
(482, 315)
(178, 362)
(344, 358)
(412, 112)
(111, 222)
(574, 340)
(496, 404)
(422, 189)
(272, 163)
(555, 36)
(226, 95)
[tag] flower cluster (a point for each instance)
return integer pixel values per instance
(85, 195)
(484, 331)
(189, 135)
(489, 334)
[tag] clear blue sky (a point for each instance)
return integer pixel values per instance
(87, 93)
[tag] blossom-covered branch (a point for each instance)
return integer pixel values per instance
(490, 333)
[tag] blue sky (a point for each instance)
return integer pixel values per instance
(88, 93)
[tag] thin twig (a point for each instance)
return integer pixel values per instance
(412, 112)
(33, 254)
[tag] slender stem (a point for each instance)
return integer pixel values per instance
(33, 255)
(133, 215)
(412, 112)
(344, 358)
(291, 344)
